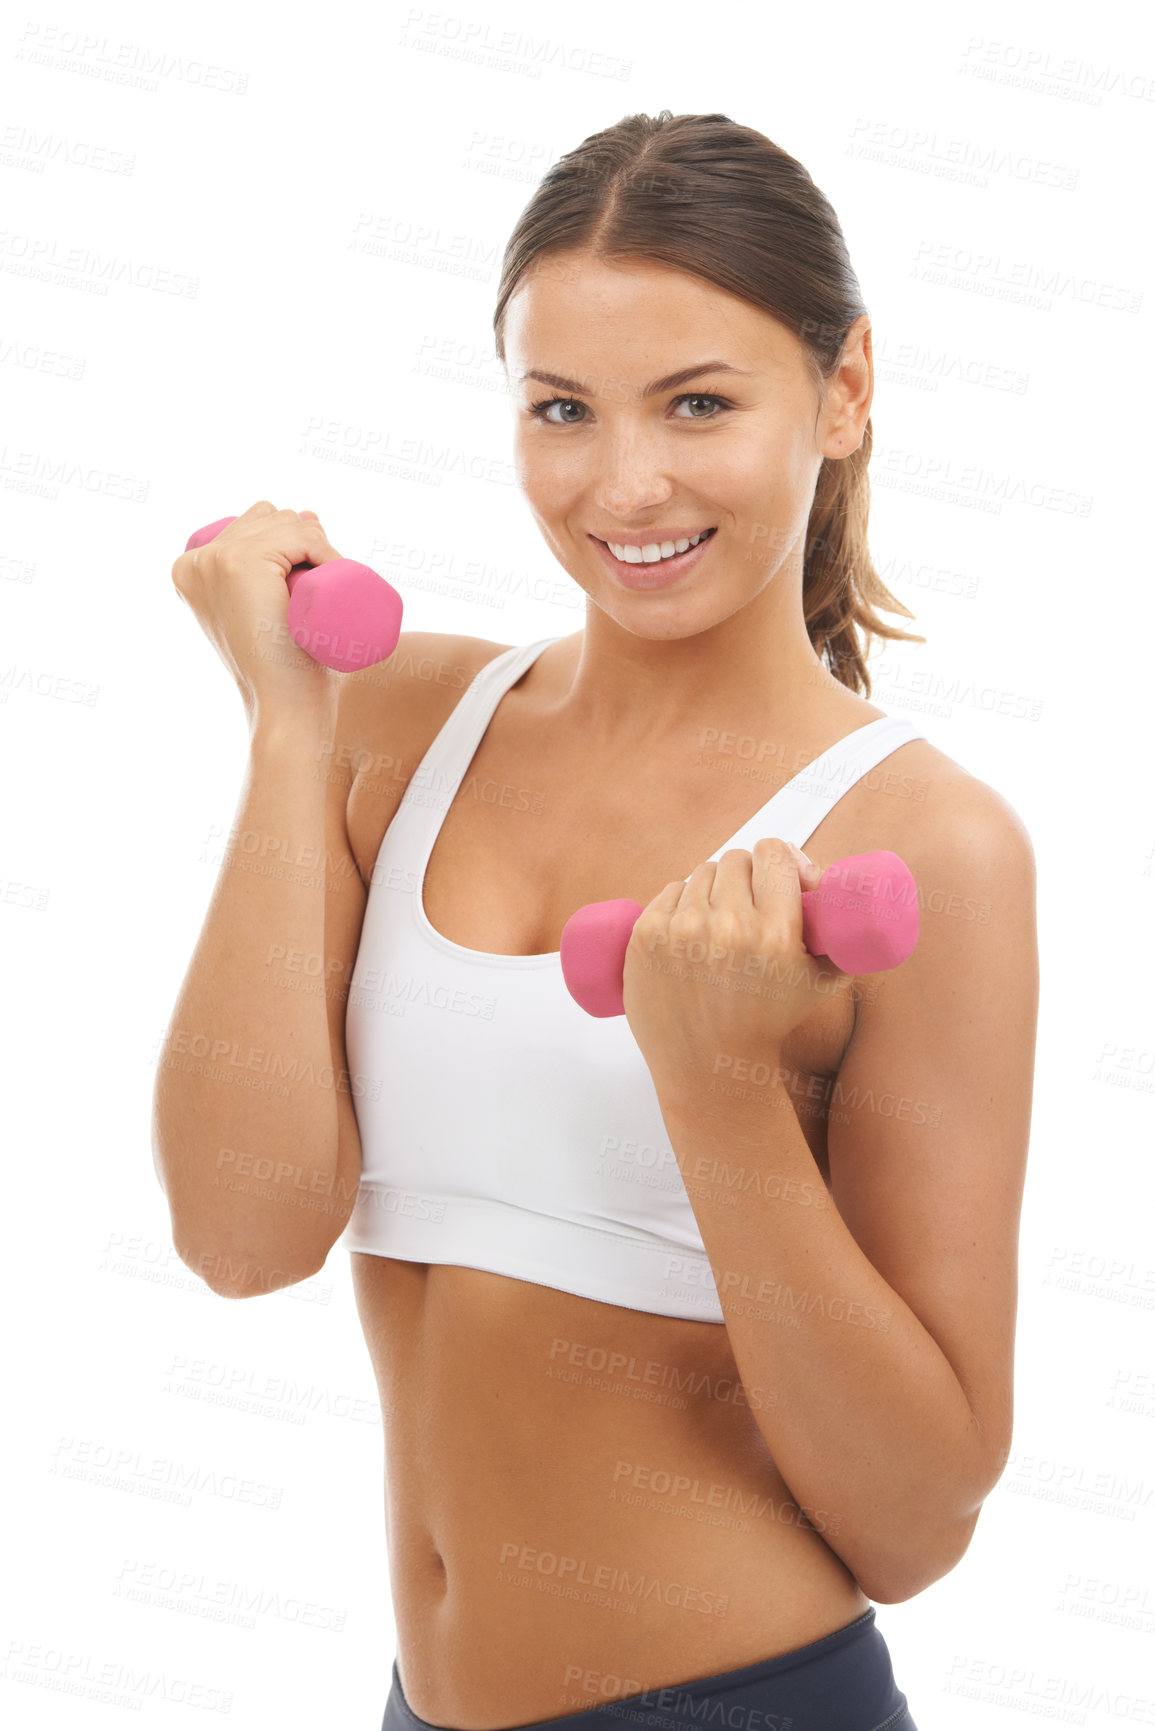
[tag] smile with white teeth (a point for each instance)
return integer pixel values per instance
(654, 551)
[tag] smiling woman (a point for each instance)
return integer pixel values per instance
(604, 1211)
(693, 1328)
(672, 209)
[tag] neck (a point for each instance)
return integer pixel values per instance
(755, 672)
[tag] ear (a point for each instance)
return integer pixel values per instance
(850, 392)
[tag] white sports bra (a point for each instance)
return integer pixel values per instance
(503, 1128)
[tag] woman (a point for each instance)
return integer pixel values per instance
(693, 1329)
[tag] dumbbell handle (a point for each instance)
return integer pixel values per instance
(341, 613)
(863, 914)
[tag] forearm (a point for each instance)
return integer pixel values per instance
(866, 1417)
(245, 1125)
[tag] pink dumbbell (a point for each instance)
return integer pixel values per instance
(341, 613)
(863, 915)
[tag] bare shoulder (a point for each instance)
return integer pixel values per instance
(973, 863)
(946, 816)
(415, 689)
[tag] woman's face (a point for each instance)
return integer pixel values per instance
(610, 447)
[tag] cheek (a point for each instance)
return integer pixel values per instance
(546, 476)
(744, 479)
(755, 476)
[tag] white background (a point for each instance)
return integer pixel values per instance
(253, 159)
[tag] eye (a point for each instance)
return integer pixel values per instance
(540, 411)
(700, 397)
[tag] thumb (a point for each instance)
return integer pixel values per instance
(809, 874)
(312, 517)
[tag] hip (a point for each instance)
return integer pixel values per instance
(844, 1681)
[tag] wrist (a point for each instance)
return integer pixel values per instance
(309, 720)
(729, 1084)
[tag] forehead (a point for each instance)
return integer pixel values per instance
(571, 307)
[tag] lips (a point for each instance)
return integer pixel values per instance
(659, 539)
(660, 573)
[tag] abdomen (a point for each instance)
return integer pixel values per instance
(574, 1487)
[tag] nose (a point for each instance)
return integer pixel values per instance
(632, 475)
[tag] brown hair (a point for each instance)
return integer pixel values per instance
(719, 200)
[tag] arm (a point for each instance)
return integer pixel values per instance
(894, 1376)
(254, 1134)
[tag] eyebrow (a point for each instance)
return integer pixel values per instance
(669, 383)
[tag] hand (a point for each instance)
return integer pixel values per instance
(716, 970)
(235, 585)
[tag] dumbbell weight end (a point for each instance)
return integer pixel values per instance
(593, 954)
(342, 613)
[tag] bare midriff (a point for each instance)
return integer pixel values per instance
(580, 1503)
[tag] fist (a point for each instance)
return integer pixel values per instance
(716, 969)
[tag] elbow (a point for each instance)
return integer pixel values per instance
(230, 1275)
(891, 1589)
(902, 1575)
(253, 1284)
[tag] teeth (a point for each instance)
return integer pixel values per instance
(653, 550)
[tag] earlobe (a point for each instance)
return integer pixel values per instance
(842, 442)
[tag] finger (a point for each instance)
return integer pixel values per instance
(809, 872)
(317, 546)
(327, 549)
(788, 872)
(665, 901)
(775, 871)
(733, 879)
(696, 889)
(656, 915)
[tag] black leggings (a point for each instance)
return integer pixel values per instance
(843, 1682)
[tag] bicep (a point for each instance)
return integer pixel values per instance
(930, 1114)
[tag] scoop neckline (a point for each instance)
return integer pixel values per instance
(539, 958)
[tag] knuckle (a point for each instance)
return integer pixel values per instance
(687, 922)
(732, 929)
(643, 938)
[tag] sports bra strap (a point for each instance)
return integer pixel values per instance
(796, 810)
(435, 781)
